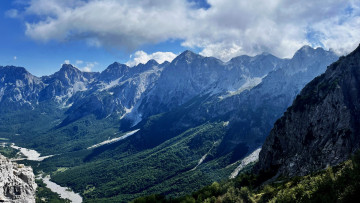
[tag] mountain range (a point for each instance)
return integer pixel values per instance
(311, 154)
(192, 121)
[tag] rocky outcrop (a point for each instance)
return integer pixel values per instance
(322, 127)
(17, 182)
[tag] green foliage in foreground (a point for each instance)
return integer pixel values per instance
(335, 184)
(44, 194)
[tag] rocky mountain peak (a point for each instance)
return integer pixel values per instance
(115, 68)
(17, 75)
(14, 69)
(14, 72)
(144, 67)
(306, 59)
(188, 53)
(165, 63)
(69, 74)
(240, 59)
(307, 51)
(114, 71)
(116, 65)
(305, 48)
(152, 62)
(68, 67)
(186, 57)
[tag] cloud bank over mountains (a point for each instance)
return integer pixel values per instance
(226, 29)
(143, 57)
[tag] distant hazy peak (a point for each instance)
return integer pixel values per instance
(308, 50)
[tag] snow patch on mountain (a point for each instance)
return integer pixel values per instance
(204, 157)
(79, 86)
(110, 85)
(248, 85)
(254, 156)
(127, 111)
(114, 139)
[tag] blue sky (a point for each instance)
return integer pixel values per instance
(44, 58)
(40, 35)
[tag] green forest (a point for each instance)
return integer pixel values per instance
(334, 184)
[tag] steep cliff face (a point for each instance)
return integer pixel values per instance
(322, 126)
(17, 182)
(18, 88)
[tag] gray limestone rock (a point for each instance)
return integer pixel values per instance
(17, 182)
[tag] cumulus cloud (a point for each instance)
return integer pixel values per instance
(143, 57)
(111, 23)
(226, 29)
(88, 66)
(83, 66)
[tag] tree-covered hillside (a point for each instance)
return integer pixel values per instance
(334, 184)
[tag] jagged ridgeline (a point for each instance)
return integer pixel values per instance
(312, 153)
(154, 128)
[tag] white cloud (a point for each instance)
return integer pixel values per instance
(143, 57)
(107, 22)
(342, 38)
(227, 29)
(88, 67)
(79, 62)
(83, 66)
(15, 57)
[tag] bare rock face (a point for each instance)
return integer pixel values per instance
(322, 127)
(17, 182)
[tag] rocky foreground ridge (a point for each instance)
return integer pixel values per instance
(322, 127)
(17, 182)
